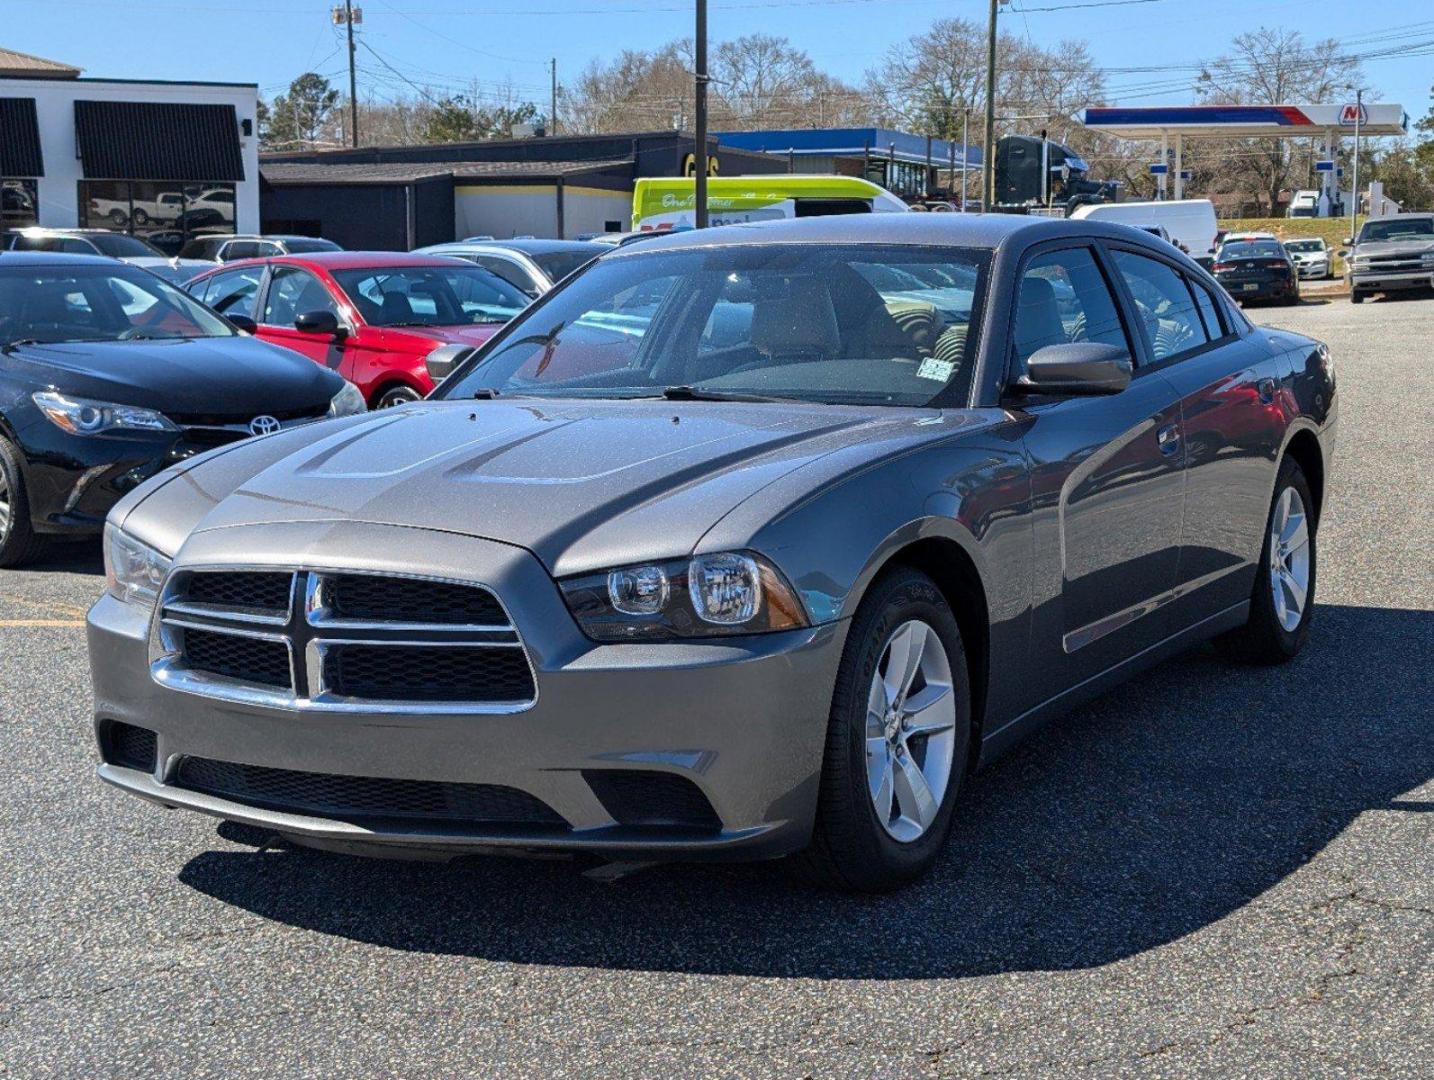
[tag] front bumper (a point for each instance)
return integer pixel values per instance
(744, 720)
(1374, 281)
(1313, 269)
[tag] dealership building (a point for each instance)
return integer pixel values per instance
(397, 198)
(161, 160)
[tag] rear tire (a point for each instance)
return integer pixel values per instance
(1356, 297)
(18, 542)
(1273, 634)
(869, 762)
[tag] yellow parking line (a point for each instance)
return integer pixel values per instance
(6, 624)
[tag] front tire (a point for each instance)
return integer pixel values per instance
(1282, 602)
(18, 542)
(396, 395)
(897, 744)
(1356, 297)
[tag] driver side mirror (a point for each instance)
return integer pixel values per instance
(319, 322)
(242, 322)
(1075, 369)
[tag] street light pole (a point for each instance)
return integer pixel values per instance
(699, 186)
(988, 148)
(965, 150)
(1354, 184)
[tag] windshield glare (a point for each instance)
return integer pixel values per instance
(430, 295)
(96, 303)
(1397, 228)
(851, 324)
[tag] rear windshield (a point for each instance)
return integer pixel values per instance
(120, 246)
(305, 245)
(559, 264)
(1251, 249)
(1397, 228)
(850, 324)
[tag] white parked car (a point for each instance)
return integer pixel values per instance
(1311, 256)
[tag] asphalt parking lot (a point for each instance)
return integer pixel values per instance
(1213, 871)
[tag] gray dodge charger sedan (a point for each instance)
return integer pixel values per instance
(749, 542)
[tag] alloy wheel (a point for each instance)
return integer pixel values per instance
(400, 395)
(910, 730)
(4, 506)
(1290, 559)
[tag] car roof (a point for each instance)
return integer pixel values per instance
(55, 258)
(944, 230)
(349, 260)
(525, 247)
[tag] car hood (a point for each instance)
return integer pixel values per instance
(238, 377)
(581, 484)
(1393, 247)
(459, 335)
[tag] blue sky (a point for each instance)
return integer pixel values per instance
(446, 44)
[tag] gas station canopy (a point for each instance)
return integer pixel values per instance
(1245, 121)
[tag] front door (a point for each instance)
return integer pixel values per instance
(293, 292)
(1107, 480)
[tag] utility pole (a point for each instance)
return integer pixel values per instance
(700, 180)
(965, 150)
(553, 107)
(988, 149)
(348, 16)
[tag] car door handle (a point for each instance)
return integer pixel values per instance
(1168, 439)
(1266, 387)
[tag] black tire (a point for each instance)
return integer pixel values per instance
(1356, 297)
(18, 542)
(1263, 639)
(851, 849)
(396, 395)
(140, 216)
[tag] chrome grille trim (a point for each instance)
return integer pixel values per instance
(308, 632)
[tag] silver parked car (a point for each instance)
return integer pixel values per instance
(748, 542)
(530, 265)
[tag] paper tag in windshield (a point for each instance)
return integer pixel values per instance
(932, 368)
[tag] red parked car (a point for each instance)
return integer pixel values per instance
(375, 317)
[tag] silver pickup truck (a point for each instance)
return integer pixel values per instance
(1391, 253)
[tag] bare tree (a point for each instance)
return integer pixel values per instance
(1274, 67)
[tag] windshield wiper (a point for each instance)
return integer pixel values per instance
(484, 393)
(11, 346)
(696, 393)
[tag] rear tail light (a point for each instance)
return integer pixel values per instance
(1274, 264)
(1223, 266)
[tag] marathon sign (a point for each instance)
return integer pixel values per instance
(1355, 114)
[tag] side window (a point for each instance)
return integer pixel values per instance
(242, 249)
(1063, 297)
(233, 293)
(1209, 310)
(291, 293)
(1172, 321)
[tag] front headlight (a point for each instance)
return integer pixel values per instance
(348, 401)
(705, 596)
(80, 416)
(134, 571)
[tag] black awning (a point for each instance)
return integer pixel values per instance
(19, 139)
(142, 140)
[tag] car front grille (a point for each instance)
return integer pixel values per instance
(364, 798)
(312, 639)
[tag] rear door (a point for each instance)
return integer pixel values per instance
(1107, 477)
(1228, 380)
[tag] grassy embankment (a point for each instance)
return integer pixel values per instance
(1333, 231)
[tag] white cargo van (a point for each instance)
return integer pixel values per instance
(1190, 222)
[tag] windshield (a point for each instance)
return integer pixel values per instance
(1304, 246)
(120, 246)
(430, 295)
(851, 324)
(1397, 228)
(559, 264)
(1251, 249)
(97, 303)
